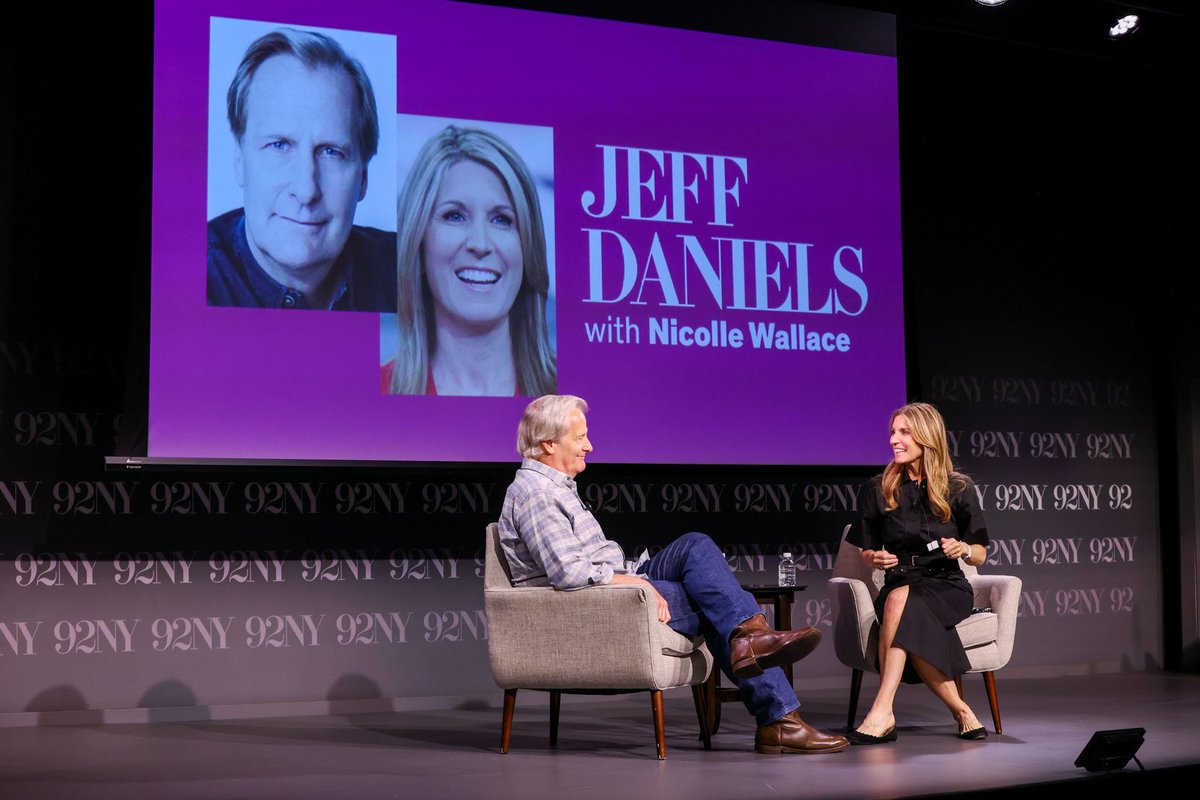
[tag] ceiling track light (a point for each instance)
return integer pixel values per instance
(1124, 26)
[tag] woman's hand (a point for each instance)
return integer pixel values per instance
(953, 548)
(880, 559)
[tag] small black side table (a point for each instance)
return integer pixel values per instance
(779, 598)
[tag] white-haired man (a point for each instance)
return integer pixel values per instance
(551, 538)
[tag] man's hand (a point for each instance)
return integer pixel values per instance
(664, 612)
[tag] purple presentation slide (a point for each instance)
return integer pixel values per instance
(697, 233)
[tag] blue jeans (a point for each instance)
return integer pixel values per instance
(706, 599)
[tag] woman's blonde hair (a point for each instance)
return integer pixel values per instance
(533, 357)
(929, 431)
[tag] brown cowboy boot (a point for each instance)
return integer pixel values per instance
(790, 734)
(753, 647)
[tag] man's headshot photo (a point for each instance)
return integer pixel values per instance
(301, 151)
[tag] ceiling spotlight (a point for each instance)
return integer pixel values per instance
(1125, 26)
(991, 2)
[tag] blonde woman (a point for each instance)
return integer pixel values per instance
(472, 272)
(917, 520)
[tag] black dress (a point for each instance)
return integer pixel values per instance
(939, 596)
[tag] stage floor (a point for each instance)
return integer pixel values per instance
(606, 749)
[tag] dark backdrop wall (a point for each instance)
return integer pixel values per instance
(1045, 256)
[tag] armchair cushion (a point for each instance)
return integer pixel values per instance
(977, 629)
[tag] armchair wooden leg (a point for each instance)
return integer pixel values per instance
(510, 705)
(712, 702)
(989, 681)
(855, 688)
(660, 727)
(555, 703)
(701, 700)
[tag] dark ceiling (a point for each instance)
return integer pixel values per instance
(1167, 35)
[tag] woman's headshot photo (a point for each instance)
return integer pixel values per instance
(474, 273)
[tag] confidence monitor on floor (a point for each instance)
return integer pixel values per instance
(1109, 750)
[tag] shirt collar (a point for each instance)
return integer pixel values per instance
(561, 478)
(271, 294)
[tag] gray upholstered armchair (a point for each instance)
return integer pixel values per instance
(987, 636)
(599, 640)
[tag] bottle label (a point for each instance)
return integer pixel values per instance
(787, 572)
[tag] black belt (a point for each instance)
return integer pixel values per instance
(927, 565)
(916, 560)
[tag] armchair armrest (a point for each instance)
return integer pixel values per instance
(1002, 593)
(855, 628)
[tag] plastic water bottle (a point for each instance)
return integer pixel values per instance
(787, 569)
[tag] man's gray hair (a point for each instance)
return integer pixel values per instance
(546, 419)
(314, 50)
